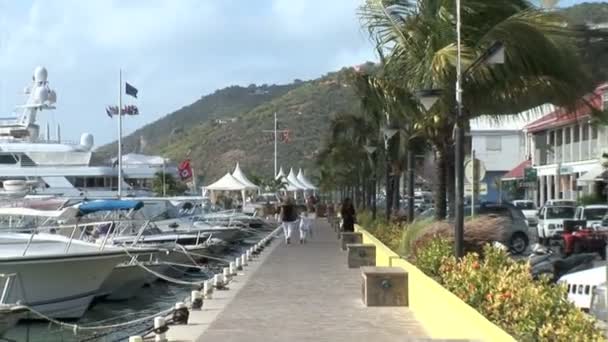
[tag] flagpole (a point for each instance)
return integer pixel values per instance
(275, 144)
(120, 133)
(164, 183)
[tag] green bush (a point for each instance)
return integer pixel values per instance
(411, 233)
(503, 290)
(590, 199)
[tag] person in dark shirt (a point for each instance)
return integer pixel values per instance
(289, 218)
(348, 215)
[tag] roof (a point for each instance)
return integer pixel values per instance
(561, 116)
(305, 181)
(518, 171)
(291, 178)
(227, 183)
(240, 176)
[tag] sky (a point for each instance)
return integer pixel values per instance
(173, 51)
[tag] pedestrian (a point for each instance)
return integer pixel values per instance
(348, 215)
(305, 226)
(289, 218)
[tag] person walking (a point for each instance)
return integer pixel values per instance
(305, 226)
(289, 218)
(348, 215)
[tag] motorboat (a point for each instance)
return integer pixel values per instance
(36, 162)
(54, 275)
(10, 314)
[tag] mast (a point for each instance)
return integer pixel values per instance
(120, 133)
(275, 144)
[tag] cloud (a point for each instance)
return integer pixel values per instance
(173, 51)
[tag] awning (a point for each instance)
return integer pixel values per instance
(517, 172)
(593, 175)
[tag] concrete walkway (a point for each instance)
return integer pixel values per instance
(307, 293)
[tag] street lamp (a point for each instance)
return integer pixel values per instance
(495, 54)
(388, 134)
(372, 157)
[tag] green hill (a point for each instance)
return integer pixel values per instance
(304, 107)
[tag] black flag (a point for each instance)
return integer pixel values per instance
(131, 90)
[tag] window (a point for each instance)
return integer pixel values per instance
(587, 288)
(580, 289)
(577, 132)
(605, 100)
(493, 143)
(568, 289)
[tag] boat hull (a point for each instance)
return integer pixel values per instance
(59, 287)
(124, 282)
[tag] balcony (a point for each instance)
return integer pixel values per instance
(573, 152)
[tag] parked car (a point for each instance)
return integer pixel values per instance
(594, 215)
(528, 208)
(516, 235)
(551, 221)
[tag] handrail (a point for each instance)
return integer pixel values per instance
(7, 284)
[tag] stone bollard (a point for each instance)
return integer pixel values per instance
(384, 286)
(218, 282)
(351, 237)
(361, 255)
(180, 313)
(207, 289)
(136, 339)
(160, 328)
(238, 264)
(226, 274)
(249, 256)
(196, 300)
(244, 259)
(232, 268)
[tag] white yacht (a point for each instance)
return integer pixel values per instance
(31, 163)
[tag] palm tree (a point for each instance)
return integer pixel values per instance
(168, 181)
(542, 62)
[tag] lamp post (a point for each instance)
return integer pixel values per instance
(494, 55)
(372, 158)
(388, 134)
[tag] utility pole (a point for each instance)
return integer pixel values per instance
(459, 155)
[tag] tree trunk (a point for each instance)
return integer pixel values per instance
(396, 192)
(389, 189)
(440, 184)
(451, 180)
(410, 184)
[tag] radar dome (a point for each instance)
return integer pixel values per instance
(52, 96)
(40, 74)
(86, 141)
(41, 94)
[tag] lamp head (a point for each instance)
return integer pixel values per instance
(428, 97)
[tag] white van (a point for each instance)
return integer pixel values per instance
(593, 214)
(581, 285)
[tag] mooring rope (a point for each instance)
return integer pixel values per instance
(165, 277)
(76, 327)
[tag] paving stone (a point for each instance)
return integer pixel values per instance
(308, 293)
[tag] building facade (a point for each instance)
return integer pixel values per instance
(566, 148)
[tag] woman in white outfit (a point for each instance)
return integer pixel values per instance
(305, 226)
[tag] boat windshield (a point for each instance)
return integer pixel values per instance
(560, 212)
(595, 214)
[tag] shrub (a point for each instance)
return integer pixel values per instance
(503, 290)
(590, 199)
(477, 232)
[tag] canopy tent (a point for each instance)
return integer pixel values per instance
(240, 176)
(281, 174)
(226, 183)
(305, 181)
(291, 177)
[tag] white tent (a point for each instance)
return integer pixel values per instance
(226, 183)
(240, 176)
(281, 174)
(305, 181)
(291, 178)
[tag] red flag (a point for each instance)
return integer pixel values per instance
(185, 170)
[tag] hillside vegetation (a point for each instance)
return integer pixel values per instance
(305, 107)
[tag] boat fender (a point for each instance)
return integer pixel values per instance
(180, 314)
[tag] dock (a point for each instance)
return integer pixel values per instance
(298, 292)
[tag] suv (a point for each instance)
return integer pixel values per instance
(516, 234)
(593, 214)
(528, 208)
(551, 221)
